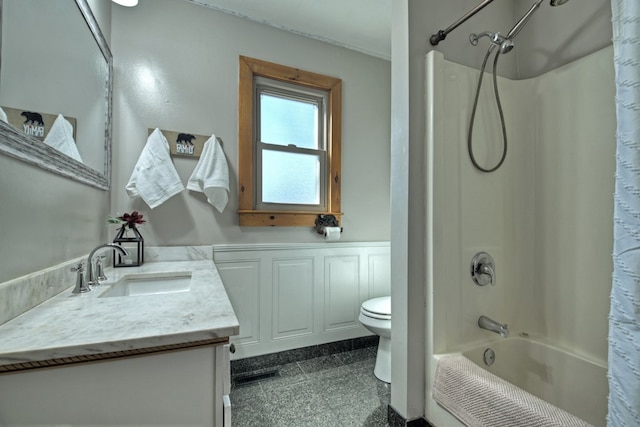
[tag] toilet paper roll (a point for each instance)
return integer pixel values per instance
(332, 233)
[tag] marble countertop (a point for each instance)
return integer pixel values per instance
(71, 324)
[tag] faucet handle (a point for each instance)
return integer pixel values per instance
(81, 286)
(483, 269)
(100, 269)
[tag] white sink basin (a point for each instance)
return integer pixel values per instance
(149, 284)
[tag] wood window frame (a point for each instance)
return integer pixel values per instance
(247, 213)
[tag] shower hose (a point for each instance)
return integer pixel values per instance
(473, 113)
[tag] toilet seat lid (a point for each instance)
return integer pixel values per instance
(380, 306)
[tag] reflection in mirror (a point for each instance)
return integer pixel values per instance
(55, 88)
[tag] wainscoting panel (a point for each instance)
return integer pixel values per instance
(379, 275)
(288, 296)
(341, 291)
(292, 297)
(242, 283)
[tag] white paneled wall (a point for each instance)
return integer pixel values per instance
(545, 215)
(341, 291)
(288, 296)
(242, 282)
(292, 297)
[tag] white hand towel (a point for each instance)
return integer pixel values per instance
(154, 178)
(60, 137)
(211, 175)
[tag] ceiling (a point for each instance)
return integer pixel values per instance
(361, 25)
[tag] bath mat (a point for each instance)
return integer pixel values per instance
(479, 398)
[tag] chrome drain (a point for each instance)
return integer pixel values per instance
(489, 357)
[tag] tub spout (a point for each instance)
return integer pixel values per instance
(491, 325)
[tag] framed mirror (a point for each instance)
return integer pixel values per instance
(56, 89)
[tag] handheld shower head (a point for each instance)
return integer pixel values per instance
(558, 2)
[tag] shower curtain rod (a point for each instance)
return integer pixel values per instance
(442, 34)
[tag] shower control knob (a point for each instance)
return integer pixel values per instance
(483, 270)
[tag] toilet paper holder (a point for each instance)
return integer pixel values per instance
(323, 221)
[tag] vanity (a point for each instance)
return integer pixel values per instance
(149, 346)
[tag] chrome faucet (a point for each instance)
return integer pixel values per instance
(91, 278)
(491, 325)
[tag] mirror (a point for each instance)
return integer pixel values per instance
(55, 61)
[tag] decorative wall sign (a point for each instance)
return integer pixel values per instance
(183, 144)
(34, 123)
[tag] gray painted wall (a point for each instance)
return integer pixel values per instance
(102, 11)
(176, 68)
(46, 219)
(554, 36)
(558, 35)
(192, 53)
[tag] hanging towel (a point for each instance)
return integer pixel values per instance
(154, 178)
(211, 175)
(60, 137)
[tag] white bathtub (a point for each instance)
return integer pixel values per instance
(570, 382)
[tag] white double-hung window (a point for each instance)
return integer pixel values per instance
(289, 138)
(290, 145)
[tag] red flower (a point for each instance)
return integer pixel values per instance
(132, 219)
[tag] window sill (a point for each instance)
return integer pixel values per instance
(281, 218)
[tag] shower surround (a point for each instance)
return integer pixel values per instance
(545, 216)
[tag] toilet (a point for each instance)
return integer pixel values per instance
(375, 315)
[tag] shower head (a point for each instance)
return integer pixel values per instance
(558, 2)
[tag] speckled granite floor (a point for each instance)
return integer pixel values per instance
(334, 390)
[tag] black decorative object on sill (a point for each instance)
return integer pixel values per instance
(129, 238)
(323, 221)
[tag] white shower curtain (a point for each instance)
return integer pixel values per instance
(624, 317)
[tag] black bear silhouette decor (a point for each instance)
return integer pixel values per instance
(33, 118)
(185, 138)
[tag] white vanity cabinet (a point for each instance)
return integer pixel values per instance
(182, 387)
(157, 357)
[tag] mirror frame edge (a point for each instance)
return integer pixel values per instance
(30, 150)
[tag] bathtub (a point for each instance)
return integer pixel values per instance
(565, 380)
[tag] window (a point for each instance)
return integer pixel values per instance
(289, 145)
